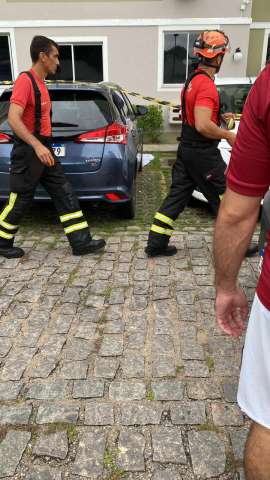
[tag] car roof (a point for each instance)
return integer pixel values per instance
(103, 87)
(234, 81)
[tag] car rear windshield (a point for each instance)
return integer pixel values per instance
(233, 97)
(73, 111)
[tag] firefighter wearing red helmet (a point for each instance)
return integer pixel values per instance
(199, 162)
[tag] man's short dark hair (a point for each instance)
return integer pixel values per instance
(41, 44)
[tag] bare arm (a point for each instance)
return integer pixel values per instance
(15, 121)
(235, 225)
(208, 128)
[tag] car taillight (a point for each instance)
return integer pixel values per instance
(97, 136)
(114, 133)
(4, 138)
(114, 197)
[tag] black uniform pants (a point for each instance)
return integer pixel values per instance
(25, 174)
(196, 166)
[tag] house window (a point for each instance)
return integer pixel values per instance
(83, 62)
(5, 59)
(177, 63)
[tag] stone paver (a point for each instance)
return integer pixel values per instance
(11, 451)
(52, 413)
(168, 390)
(15, 414)
(138, 414)
(226, 414)
(190, 413)
(88, 388)
(131, 452)
(53, 445)
(207, 454)
(127, 391)
(168, 446)
(43, 473)
(89, 458)
(99, 414)
(9, 390)
(111, 365)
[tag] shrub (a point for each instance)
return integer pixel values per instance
(152, 123)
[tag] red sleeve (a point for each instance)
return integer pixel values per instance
(207, 95)
(21, 91)
(249, 169)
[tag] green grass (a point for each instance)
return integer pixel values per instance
(207, 427)
(210, 363)
(61, 427)
(114, 472)
(152, 186)
(150, 394)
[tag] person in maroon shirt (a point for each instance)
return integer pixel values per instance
(248, 179)
(33, 159)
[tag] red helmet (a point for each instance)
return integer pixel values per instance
(211, 43)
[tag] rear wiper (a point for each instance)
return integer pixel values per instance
(64, 124)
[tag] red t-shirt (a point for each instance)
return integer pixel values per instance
(202, 92)
(249, 168)
(23, 95)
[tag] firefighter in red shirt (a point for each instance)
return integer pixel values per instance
(33, 160)
(199, 162)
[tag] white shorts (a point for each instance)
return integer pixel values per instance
(254, 384)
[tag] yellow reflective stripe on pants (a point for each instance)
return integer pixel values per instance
(7, 225)
(7, 236)
(9, 207)
(164, 219)
(163, 231)
(77, 226)
(70, 216)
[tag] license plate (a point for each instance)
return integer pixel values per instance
(59, 150)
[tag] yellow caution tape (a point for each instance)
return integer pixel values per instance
(157, 101)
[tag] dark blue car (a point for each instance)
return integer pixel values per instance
(96, 138)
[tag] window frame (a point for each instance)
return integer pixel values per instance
(265, 45)
(161, 87)
(9, 32)
(103, 41)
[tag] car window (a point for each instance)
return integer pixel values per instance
(71, 110)
(4, 107)
(233, 97)
(121, 105)
(130, 109)
(83, 110)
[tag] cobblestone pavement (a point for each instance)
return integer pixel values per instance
(111, 366)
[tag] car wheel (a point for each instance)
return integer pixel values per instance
(128, 209)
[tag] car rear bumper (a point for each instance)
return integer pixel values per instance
(84, 193)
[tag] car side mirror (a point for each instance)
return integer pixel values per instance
(141, 110)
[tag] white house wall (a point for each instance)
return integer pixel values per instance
(18, 9)
(133, 54)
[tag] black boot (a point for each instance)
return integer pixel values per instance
(8, 251)
(166, 251)
(11, 252)
(91, 247)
